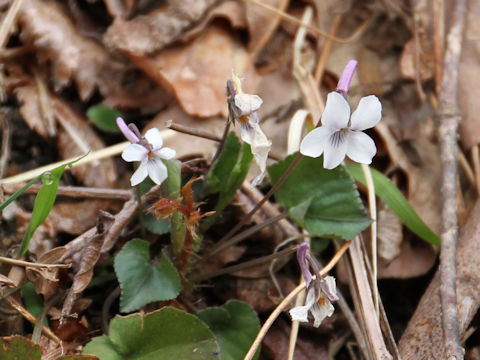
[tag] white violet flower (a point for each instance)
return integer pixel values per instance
(341, 134)
(148, 150)
(244, 107)
(317, 303)
(321, 292)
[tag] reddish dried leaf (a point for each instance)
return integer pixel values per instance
(147, 34)
(46, 27)
(197, 72)
(30, 110)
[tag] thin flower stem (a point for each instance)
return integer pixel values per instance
(244, 265)
(267, 196)
(193, 131)
(222, 142)
(141, 221)
(373, 231)
(244, 234)
(285, 302)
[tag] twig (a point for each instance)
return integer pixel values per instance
(27, 315)
(449, 117)
(244, 265)
(476, 166)
(462, 160)
(285, 302)
(8, 22)
(222, 141)
(5, 143)
(32, 265)
(74, 191)
(267, 196)
(356, 34)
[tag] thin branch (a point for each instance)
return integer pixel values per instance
(30, 264)
(449, 117)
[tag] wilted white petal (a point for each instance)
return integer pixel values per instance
(337, 111)
(320, 312)
(156, 170)
(360, 147)
(313, 144)
(248, 103)
(252, 134)
(330, 288)
(300, 313)
(166, 153)
(367, 114)
(334, 153)
(134, 152)
(154, 137)
(140, 174)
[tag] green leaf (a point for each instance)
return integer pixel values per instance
(155, 226)
(324, 202)
(162, 335)
(104, 117)
(19, 348)
(44, 202)
(235, 325)
(220, 171)
(33, 301)
(140, 282)
(227, 175)
(393, 197)
(18, 193)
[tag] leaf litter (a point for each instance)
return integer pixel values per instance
(169, 61)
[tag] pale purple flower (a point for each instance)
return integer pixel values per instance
(148, 150)
(341, 134)
(321, 292)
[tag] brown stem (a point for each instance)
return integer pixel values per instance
(185, 254)
(449, 117)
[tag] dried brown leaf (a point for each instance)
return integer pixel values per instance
(4, 280)
(262, 23)
(197, 72)
(30, 110)
(147, 34)
(75, 138)
(46, 27)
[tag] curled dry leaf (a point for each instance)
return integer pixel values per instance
(45, 280)
(4, 280)
(82, 278)
(46, 27)
(147, 34)
(196, 73)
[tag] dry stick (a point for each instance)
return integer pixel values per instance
(74, 191)
(356, 34)
(207, 135)
(5, 143)
(27, 315)
(449, 117)
(267, 196)
(30, 264)
(285, 302)
(462, 160)
(375, 341)
(244, 265)
(8, 22)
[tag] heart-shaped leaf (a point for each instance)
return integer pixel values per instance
(140, 282)
(235, 325)
(324, 202)
(165, 334)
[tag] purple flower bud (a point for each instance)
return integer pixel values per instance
(346, 78)
(129, 134)
(302, 251)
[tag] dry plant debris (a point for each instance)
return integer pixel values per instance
(207, 248)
